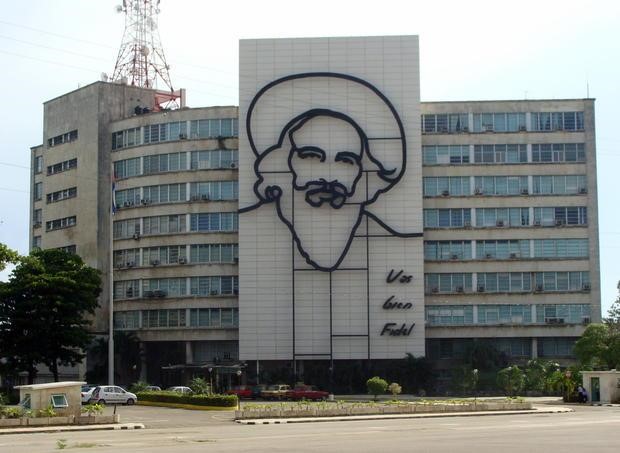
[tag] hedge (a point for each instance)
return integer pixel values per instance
(197, 400)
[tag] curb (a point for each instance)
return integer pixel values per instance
(57, 429)
(282, 421)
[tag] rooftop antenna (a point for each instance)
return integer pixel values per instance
(141, 60)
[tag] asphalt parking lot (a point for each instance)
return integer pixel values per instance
(165, 417)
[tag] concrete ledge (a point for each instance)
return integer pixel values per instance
(268, 421)
(57, 429)
(194, 407)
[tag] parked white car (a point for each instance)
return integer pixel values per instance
(112, 394)
(87, 393)
(180, 389)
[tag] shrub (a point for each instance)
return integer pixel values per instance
(376, 386)
(198, 400)
(511, 379)
(138, 387)
(47, 412)
(11, 412)
(395, 389)
(92, 409)
(200, 386)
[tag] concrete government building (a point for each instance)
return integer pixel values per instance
(331, 217)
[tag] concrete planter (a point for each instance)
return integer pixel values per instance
(48, 421)
(400, 409)
(98, 419)
(10, 422)
(300, 413)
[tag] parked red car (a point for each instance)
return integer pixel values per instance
(307, 392)
(241, 391)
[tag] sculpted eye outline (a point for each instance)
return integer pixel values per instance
(313, 152)
(348, 158)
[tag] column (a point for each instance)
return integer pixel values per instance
(534, 348)
(189, 353)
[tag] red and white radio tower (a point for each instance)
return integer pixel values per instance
(141, 60)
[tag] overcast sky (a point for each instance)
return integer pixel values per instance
(469, 50)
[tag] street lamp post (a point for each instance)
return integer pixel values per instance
(210, 380)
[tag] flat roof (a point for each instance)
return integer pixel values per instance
(50, 385)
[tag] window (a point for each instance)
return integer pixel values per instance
(161, 163)
(127, 289)
(127, 168)
(447, 218)
(126, 320)
(36, 242)
(500, 154)
(126, 228)
(37, 218)
(503, 249)
(164, 224)
(447, 250)
(554, 121)
(205, 160)
(224, 221)
(61, 166)
(61, 195)
(226, 127)
(214, 317)
(62, 138)
(214, 191)
(499, 122)
(127, 257)
(562, 281)
(156, 133)
(38, 164)
(561, 248)
(126, 138)
(57, 224)
(68, 249)
(438, 155)
(127, 198)
(559, 185)
(164, 287)
(152, 319)
(448, 283)
(556, 347)
(558, 152)
(501, 217)
(504, 314)
(165, 193)
(38, 191)
(563, 313)
(214, 286)
(446, 185)
(500, 185)
(560, 216)
(173, 254)
(59, 401)
(445, 123)
(214, 253)
(449, 315)
(504, 282)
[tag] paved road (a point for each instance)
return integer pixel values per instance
(586, 429)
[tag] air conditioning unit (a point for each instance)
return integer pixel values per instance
(136, 236)
(182, 260)
(459, 289)
(560, 320)
(204, 197)
(159, 293)
(586, 287)
(514, 256)
(233, 165)
(182, 136)
(478, 191)
(467, 224)
(525, 191)
(127, 204)
(195, 198)
(480, 288)
(155, 262)
(551, 320)
(488, 256)
(465, 129)
(131, 263)
(539, 288)
(145, 201)
(434, 289)
(559, 222)
(445, 193)
(487, 128)
(583, 190)
(236, 259)
(585, 320)
(522, 129)
(499, 223)
(149, 294)
(37, 225)
(129, 292)
(537, 223)
(213, 292)
(454, 256)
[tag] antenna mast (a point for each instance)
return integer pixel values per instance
(141, 60)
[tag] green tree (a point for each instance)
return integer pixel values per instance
(599, 346)
(613, 314)
(127, 358)
(200, 386)
(7, 256)
(464, 380)
(376, 386)
(43, 311)
(511, 379)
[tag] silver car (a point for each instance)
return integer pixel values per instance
(112, 394)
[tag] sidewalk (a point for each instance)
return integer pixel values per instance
(271, 421)
(57, 429)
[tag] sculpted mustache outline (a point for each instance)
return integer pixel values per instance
(333, 191)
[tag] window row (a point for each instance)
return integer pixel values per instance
(506, 249)
(504, 217)
(176, 254)
(176, 223)
(176, 287)
(57, 224)
(175, 318)
(176, 130)
(506, 282)
(62, 166)
(459, 348)
(461, 315)
(556, 121)
(172, 193)
(62, 138)
(60, 195)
